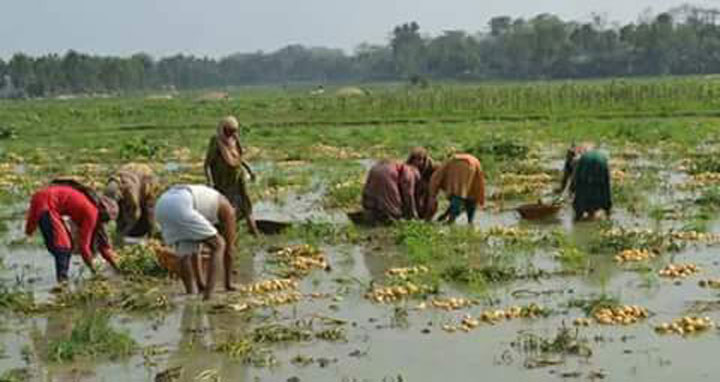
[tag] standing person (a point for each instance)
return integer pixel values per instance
(225, 170)
(135, 188)
(463, 181)
(587, 176)
(188, 215)
(395, 190)
(85, 210)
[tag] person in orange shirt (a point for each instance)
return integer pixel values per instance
(463, 181)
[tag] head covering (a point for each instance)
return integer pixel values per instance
(420, 158)
(109, 207)
(229, 145)
(113, 189)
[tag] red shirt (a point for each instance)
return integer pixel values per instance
(67, 201)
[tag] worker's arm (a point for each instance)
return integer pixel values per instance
(407, 193)
(228, 225)
(32, 218)
(31, 223)
(107, 252)
(249, 170)
(86, 229)
(207, 165)
(568, 171)
(481, 192)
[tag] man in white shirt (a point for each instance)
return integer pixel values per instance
(188, 216)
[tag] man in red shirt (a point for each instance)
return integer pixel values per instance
(89, 213)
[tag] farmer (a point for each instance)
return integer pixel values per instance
(135, 189)
(463, 181)
(395, 190)
(587, 176)
(82, 209)
(225, 170)
(188, 216)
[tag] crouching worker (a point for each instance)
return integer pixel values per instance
(462, 179)
(395, 190)
(67, 199)
(134, 188)
(587, 176)
(188, 215)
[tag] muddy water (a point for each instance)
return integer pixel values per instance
(380, 347)
(380, 350)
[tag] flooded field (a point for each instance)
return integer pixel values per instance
(506, 299)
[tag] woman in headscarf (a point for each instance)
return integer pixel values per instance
(65, 204)
(587, 175)
(395, 190)
(463, 181)
(135, 189)
(225, 169)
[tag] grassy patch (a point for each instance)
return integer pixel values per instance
(92, 337)
(16, 300)
(16, 375)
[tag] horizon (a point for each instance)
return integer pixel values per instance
(142, 26)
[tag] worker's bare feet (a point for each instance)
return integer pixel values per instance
(230, 287)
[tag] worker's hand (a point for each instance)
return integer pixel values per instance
(253, 178)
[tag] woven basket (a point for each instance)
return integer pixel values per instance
(538, 211)
(172, 263)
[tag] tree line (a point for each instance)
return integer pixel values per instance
(684, 40)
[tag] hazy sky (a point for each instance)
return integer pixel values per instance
(221, 27)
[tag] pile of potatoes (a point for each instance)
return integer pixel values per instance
(513, 312)
(493, 317)
(679, 270)
(303, 258)
(621, 315)
(403, 273)
(269, 286)
(394, 293)
(452, 303)
(694, 236)
(685, 325)
(509, 232)
(634, 255)
(275, 299)
(467, 324)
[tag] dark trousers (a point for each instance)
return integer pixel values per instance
(61, 254)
